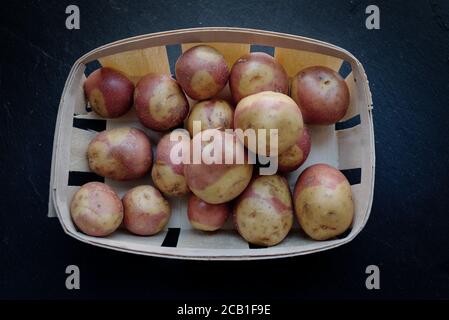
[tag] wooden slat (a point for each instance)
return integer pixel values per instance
(78, 148)
(230, 51)
(354, 98)
(137, 63)
(296, 60)
(350, 148)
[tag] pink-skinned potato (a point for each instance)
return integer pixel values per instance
(256, 72)
(205, 216)
(263, 214)
(321, 94)
(167, 175)
(146, 211)
(120, 154)
(296, 155)
(96, 209)
(323, 202)
(222, 180)
(109, 92)
(202, 72)
(269, 110)
(160, 103)
(212, 114)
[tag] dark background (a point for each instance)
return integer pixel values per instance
(407, 236)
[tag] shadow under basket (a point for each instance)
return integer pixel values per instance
(348, 145)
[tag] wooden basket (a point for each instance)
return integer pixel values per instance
(349, 145)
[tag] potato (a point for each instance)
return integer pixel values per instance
(202, 72)
(96, 209)
(321, 94)
(297, 154)
(269, 110)
(146, 211)
(213, 114)
(323, 202)
(263, 214)
(218, 182)
(109, 92)
(120, 154)
(168, 176)
(256, 72)
(207, 217)
(160, 103)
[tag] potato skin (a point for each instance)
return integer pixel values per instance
(263, 214)
(219, 183)
(270, 110)
(323, 202)
(213, 114)
(167, 176)
(296, 155)
(256, 72)
(109, 92)
(207, 217)
(202, 72)
(321, 94)
(96, 209)
(160, 103)
(120, 154)
(146, 211)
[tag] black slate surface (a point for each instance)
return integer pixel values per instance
(407, 236)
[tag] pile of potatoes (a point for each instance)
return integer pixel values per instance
(262, 97)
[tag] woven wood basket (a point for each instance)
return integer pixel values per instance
(348, 145)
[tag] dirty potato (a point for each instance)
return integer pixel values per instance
(146, 211)
(263, 214)
(202, 72)
(167, 175)
(269, 110)
(109, 92)
(256, 72)
(120, 154)
(96, 209)
(323, 202)
(217, 180)
(211, 114)
(297, 154)
(321, 94)
(205, 216)
(160, 103)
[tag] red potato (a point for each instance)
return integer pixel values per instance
(109, 92)
(256, 72)
(168, 176)
(321, 94)
(207, 217)
(160, 103)
(323, 202)
(96, 209)
(263, 214)
(146, 211)
(269, 110)
(120, 154)
(296, 155)
(218, 182)
(202, 72)
(213, 114)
